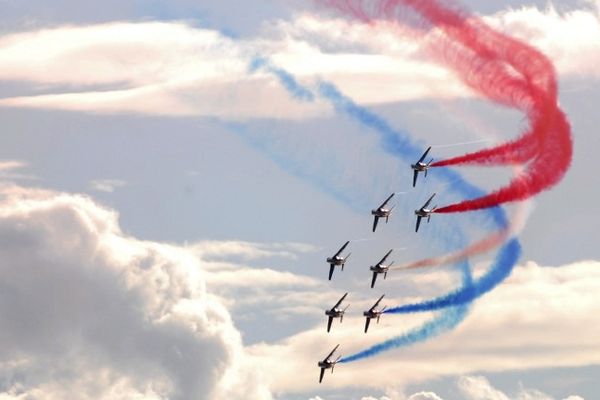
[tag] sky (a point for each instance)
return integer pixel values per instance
(173, 176)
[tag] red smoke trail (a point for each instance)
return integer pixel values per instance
(502, 69)
(486, 244)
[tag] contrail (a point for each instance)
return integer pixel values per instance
(439, 146)
(484, 245)
(488, 243)
(436, 326)
(361, 240)
(504, 70)
(399, 144)
(507, 257)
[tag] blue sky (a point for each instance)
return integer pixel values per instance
(186, 205)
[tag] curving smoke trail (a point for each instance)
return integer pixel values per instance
(484, 245)
(503, 70)
(508, 255)
(442, 323)
(399, 144)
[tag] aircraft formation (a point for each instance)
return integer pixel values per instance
(382, 267)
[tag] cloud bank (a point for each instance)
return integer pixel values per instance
(170, 68)
(506, 330)
(91, 313)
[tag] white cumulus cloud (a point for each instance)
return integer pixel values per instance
(88, 312)
(518, 315)
(107, 185)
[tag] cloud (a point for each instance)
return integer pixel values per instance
(373, 398)
(11, 165)
(149, 67)
(518, 315)
(170, 68)
(570, 39)
(210, 250)
(107, 185)
(89, 312)
(479, 388)
(8, 168)
(424, 396)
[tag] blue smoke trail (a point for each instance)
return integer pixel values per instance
(400, 144)
(507, 256)
(506, 259)
(285, 78)
(443, 323)
(397, 143)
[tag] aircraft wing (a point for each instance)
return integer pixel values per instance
(385, 257)
(329, 323)
(377, 303)
(418, 223)
(332, 351)
(374, 279)
(341, 249)
(340, 300)
(375, 223)
(331, 268)
(321, 376)
(386, 201)
(367, 322)
(415, 175)
(428, 201)
(424, 155)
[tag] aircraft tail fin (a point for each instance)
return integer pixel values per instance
(346, 259)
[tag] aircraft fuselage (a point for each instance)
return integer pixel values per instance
(335, 313)
(381, 212)
(336, 260)
(371, 314)
(419, 166)
(423, 212)
(380, 269)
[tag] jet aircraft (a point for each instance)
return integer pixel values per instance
(420, 166)
(336, 312)
(337, 259)
(424, 212)
(382, 212)
(327, 363)
(373, 312)
(380, 268)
